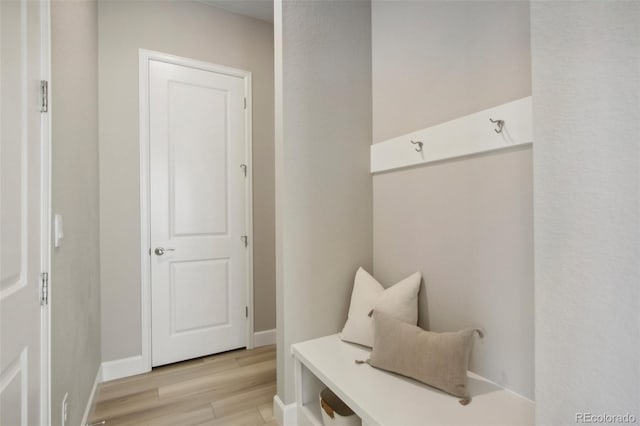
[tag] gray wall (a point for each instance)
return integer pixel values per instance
(323, 185)
(193, 30)
(434, 61)
(75, 272)
(586, 104)
(467, 224)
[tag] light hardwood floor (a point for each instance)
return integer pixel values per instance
(234, 388)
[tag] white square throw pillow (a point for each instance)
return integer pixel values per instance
(400, 301)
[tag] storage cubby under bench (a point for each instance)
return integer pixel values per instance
(382, 398)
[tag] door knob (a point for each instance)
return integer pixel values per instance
(161, 250)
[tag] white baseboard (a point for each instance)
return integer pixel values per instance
(264, 338)
(286, 415)
(124, 367)
(92, 396)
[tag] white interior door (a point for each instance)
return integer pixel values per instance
(197, 212)
(20, 213)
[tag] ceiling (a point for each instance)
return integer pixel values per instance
(259, 9)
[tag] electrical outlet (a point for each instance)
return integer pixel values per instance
(65, 409)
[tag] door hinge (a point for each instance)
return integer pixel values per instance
(245, 240)
(44, 96)
(244, 169)
(246, 312)
(245, 103)
(44, 288)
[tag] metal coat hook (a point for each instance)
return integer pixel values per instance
(499, 123)
(419, 147)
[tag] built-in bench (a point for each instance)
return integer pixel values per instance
(382, 398)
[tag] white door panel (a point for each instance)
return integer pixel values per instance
(20, 212)
(198, 212)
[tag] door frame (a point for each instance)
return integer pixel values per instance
(145, 56)
(46, 215)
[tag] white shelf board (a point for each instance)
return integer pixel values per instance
(382, 398)
(311, 414)
(468, 135)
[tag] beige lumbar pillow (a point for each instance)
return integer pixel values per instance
(400, 301)
(437, 359)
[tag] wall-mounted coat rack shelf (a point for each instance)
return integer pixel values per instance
(500, 127)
